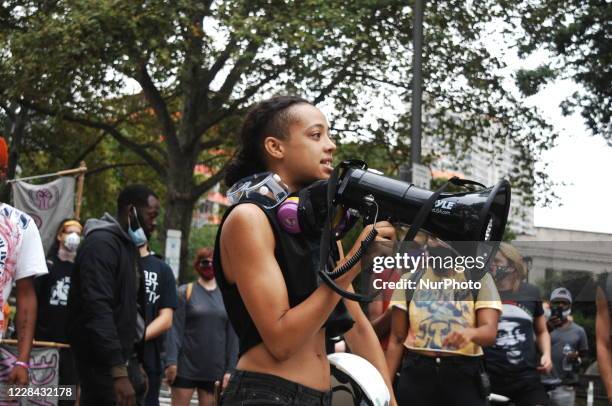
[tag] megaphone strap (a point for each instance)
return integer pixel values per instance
(425, 210)
(463, 182)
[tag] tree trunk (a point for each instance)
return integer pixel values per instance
(178, 215)
(179, 206)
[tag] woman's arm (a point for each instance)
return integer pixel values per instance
(159, 325)
(231, 346)
(247, 255)
(604, 342)
(543, 342)
(395, 348)
(483, 335)
(381, 320)
(174, 338)
(363, 342)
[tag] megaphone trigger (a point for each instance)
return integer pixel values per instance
(370, 209)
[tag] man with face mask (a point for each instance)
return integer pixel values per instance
(569, 343)
(52, 294)
(106, 302)
(202, 347)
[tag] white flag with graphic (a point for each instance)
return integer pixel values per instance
(47, 204)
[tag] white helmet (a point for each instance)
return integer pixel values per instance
(355, 382)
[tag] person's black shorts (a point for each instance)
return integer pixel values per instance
(186, 383)
(526, 390)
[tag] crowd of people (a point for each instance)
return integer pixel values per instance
(256, 322)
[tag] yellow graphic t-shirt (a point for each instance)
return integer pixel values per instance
(436, 310)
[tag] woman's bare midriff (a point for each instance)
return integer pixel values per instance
(309, 366)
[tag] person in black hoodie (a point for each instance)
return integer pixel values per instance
(106, 302)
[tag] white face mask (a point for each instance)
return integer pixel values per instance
(72, 241)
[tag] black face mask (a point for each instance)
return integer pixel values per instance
(501, 272)
(560, 312)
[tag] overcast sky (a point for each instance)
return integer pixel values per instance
(582, 161)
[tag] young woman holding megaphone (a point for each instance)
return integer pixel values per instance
(268, 276)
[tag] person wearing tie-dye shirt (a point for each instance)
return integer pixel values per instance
(21, 259)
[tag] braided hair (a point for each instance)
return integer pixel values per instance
(270, 117)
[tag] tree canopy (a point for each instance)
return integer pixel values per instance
(578, 33)
(167, 82)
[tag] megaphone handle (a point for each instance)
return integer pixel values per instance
(371, 210)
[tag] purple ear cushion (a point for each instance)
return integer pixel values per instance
(346, 222)
(287, 215)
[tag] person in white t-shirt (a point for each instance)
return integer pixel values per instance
(21, 259)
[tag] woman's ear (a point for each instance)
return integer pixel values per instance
(274, 147)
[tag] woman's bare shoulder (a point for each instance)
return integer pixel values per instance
(246, 222)
(247, 242)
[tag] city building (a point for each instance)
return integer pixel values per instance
(486, 161)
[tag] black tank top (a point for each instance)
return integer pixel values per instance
(298, 258)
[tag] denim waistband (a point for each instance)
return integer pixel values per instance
(281, 386)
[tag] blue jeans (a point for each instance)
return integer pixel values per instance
(253, 388)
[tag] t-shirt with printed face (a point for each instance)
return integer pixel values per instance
(21, 250)
(435, 313)
(514, 352)
(160, 291)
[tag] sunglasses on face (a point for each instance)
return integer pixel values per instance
(501, 268)
(561, 305)
(205, 263)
